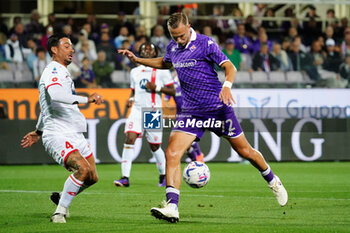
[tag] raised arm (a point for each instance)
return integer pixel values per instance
(157, 63)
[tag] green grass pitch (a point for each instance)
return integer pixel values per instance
(236, 199)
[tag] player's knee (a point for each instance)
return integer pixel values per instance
(154, 147)
(172, 155)
(129, 141)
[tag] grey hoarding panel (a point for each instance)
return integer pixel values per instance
(278, 140)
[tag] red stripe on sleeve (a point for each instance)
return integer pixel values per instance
(53, 84)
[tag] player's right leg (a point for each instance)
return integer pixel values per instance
(127, 157)
(77, 163)
(66, 151)
(178, 144)
(92, 178)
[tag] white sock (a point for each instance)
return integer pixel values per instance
(160, 158)
(70, 190)
(127, 156)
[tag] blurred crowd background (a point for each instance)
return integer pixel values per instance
(258, 45)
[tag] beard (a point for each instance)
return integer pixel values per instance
(67, 62)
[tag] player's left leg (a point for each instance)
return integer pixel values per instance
(244, 149)
(195, 153)
(154, 140)
(178, 144)
(92, 175)
(91, 179)
(159, 155)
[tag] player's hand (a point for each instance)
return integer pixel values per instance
(128, 54)
(151, 86)
(95, 98)
(129, 103)
(29, 139)
(226, 96)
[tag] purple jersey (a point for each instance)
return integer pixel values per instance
(195, 66)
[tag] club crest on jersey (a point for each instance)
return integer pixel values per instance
(54, 71)
(143, 83)
(192, 48)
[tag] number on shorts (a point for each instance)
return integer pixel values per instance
(230, 129)
(68, 145)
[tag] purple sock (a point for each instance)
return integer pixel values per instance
(267, 174)
(196, 148)
(172, 195)
(191, 154)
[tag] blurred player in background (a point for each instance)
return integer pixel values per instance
(194, 152)
(146, 84)
(194, 57)
(61, 125)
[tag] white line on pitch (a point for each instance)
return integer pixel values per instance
(190, 195)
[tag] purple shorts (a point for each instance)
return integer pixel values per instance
(222, 122)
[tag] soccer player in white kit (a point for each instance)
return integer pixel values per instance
(146, 84)
(61, 125)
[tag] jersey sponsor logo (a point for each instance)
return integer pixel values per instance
(210, 42)
(143, 83)
(185, 63)
(54, 71)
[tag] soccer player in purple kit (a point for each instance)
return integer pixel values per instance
(194, 57)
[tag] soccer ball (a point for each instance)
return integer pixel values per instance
(196, 174)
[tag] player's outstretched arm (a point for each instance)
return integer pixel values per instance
(230, 73)
(157, 63)
(168, 90)
(30, 138)
(57, 94)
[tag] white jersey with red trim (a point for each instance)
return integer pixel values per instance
(59, 117)
(139, 76)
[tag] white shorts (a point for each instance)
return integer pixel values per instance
(60, 146)
(134, 125)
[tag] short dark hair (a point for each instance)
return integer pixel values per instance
(40, 49)
(143, 47)
(54, 40)
(177, 18)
